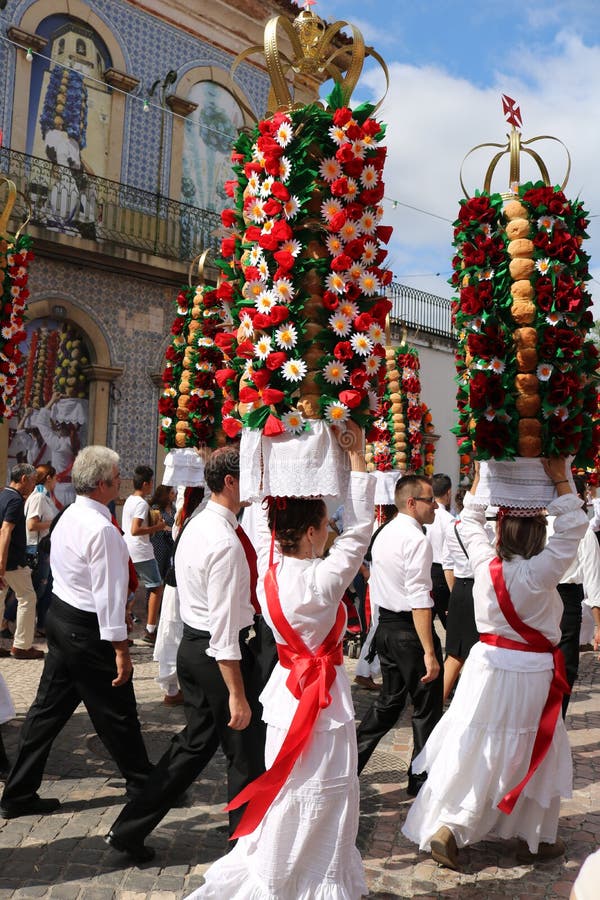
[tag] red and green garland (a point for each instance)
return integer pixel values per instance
(526, 371)
(302, 271)
(15, 257)
(398, 436)
(189, 404)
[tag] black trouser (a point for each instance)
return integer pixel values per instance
(79, 668)
(402, 667)
(206, 707)
(265, 653)
(440, 592)
(570, 627)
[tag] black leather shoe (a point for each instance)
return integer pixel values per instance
(37, 806)
(415, 783)
(139, 853)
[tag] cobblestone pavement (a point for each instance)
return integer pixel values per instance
(64, 856)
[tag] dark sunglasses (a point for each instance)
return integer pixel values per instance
(425, 499)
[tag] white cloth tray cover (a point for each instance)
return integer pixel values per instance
(183, 467)
(310, 464)
(520, 483)
(385, 486)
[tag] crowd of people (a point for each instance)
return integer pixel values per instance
(250, 641)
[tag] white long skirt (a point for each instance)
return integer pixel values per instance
(479, 750)
(168, 639)
(7, 707)
(305, 847)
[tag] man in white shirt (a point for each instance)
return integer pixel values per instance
(215, 665)
(88, 659)
(409, 650)
(582, 578)
(137, 529)
(436, 533)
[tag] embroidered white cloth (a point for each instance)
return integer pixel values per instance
(310, 464)
(386, 486)
(183, 468)
(520, 483)
(70, 409)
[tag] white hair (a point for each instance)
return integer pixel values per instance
(93, 465)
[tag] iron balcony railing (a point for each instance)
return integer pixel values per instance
(426, 313)
(75, 203)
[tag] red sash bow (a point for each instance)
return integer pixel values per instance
(311, 676)
(535, 642)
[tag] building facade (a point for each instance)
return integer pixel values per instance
(116, 119)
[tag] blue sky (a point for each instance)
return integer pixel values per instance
(449, 62)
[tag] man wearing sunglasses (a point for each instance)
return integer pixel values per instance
(409, 650)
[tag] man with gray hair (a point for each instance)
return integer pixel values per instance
(14, 572)
(88, 659)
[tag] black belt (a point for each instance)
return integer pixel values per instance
(73, 615)
(388, 615)
(188, 631)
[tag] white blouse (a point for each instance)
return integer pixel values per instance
(310, 591)
(531, 583)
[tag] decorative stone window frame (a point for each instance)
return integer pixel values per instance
(193, 76)
(74, 9)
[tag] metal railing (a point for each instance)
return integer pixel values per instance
(72, 202)
(427, 313)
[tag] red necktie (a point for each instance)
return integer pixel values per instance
(252, 565)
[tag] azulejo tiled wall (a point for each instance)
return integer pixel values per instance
(135, 315)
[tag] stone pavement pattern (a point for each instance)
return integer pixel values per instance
(64, 856)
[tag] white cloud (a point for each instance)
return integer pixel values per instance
(434, 119)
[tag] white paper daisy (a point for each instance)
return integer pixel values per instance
(335, 373)
(252, 289)
(340, 325)
(265, 301)
(372, 365)
(358, 149)
(337, 134)
(334, 246)
(335, 283)
(291, 207)
(368, 222)
(355, 272)
(369, 284)
(369, 253)
(263, 347)
(352, 191)
(373, 401)
(543, 266)
(330, 208)
(253, 185)
(283, 290)
(246, 328)
(294, 370)
(376, 333)
(336, 413)
(285, 168)
(369, 177)
(255, 255)
(544, 371)
(485, 274)
(286, 336)
(166, 422)
(349, 230)
(361, 344)
(293, 421)
(554, 318)
(347, 308)
(330, 169)
(293, 246)
(267, 186)
(546, 222)
(268, 226)
(256, 211)
(263, 269)
(497, 365)
(284, 133)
